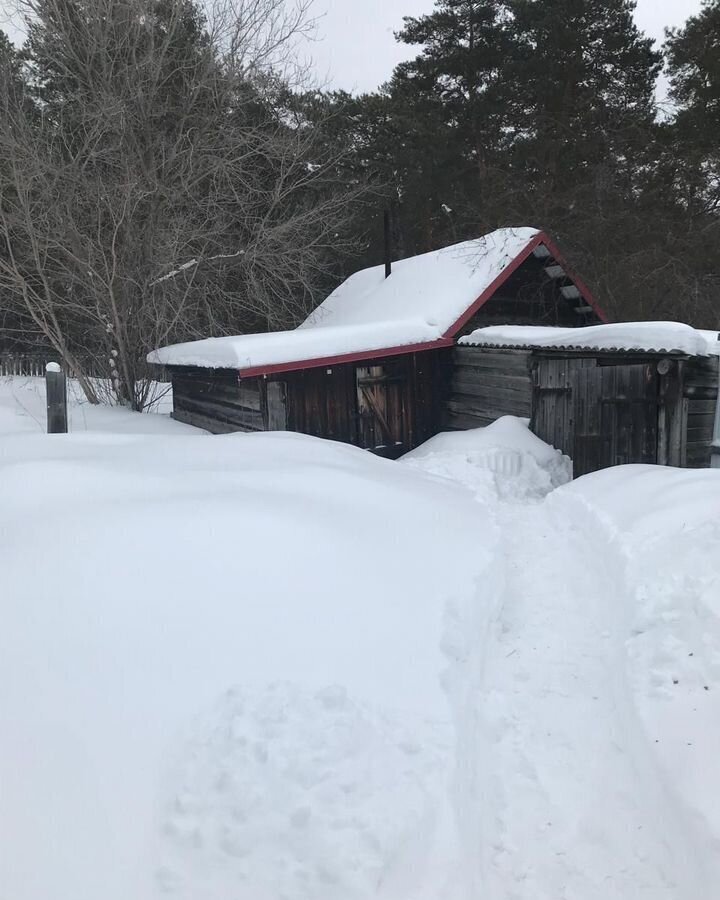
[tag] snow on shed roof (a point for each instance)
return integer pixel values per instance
(437, 287)
(656, 337)
(422, 304)
(256, 351)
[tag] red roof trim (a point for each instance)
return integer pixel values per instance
(448, 338)
(320, 362)
(540, 238)
(585, 291)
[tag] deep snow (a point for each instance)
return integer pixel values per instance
(275, 668)
(23, 411)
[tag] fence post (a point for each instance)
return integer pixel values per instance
(56, 390)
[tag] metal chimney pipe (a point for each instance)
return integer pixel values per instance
(388, 243)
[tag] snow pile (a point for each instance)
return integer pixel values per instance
(505, 455)
(665, 525)
(143, 579)
(269, 667)
(586, 693)
(663, 337)
(423, 297)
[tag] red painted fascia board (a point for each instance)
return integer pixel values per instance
(448, 338)
(320, 362)
(585, 291)
(525, 253)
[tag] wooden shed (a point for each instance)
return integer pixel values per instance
(377, 365)
(644, 392)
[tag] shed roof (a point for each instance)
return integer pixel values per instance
(422, 305)
(650, 337)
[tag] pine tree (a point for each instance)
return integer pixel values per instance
(693, 63)
(584, 89)
(466, 45)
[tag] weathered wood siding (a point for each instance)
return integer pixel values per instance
(387, 405)
(608, 410)
(553, 403)
(614, 416)
(217, 401)
(700, 390)
(484, 384)
(321, 402)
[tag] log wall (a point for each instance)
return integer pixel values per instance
(700, 391)
(485, 384)
(401, 411)
(217, 401)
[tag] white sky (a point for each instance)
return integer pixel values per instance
(355, 48)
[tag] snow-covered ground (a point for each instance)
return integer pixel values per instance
(269, 667)
(23, 411)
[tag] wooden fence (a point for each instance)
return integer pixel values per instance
(16, 364)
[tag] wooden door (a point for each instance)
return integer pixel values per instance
(615, 411)
(553, 415)
(383, 409)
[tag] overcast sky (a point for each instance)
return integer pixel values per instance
(356, 50)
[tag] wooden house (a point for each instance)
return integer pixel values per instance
(453, 340)
(373, 364)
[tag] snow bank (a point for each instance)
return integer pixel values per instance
(505, 455)
(417, 304)
(269, 667)
(665, 524)
(643, 503)
(650, 336)
(221, 659)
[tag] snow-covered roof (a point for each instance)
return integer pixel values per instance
(252, 351)
(420, 303)
(437, 287)
(656, 337)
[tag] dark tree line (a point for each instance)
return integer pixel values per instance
(162, 177)
(545, 112)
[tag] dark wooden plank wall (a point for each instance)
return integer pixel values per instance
(484, 384)
(699, 402)
(553, 406)
(615, 409)
(217, 401)
(430, 374)
(321, 402)
(542, 309)
(686, 396)
(324, 402)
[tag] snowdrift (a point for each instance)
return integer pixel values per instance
(270, 667)
(665, 525)
(505, 458)
(221, 667)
